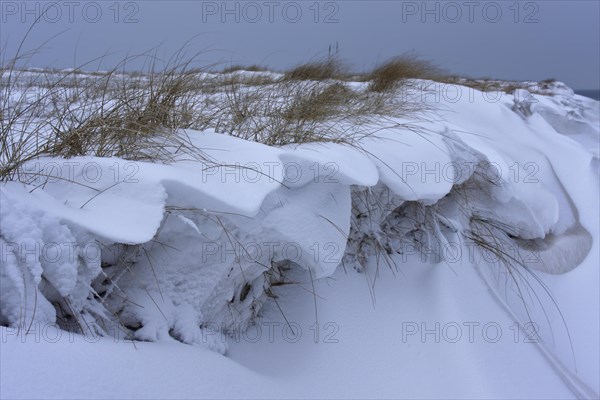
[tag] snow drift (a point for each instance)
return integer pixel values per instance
(168, 251)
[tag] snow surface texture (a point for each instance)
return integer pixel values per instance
(195, 249)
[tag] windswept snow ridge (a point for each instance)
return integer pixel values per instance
(171, 251)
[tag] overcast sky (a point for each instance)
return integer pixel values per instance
(502, 39)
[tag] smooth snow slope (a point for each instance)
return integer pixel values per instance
(370, 359)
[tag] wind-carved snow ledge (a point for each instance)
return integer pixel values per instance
(169, 251)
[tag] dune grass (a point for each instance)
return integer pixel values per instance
(139, 115)
(240, 67)
(318, 70)
(69, 113)
(393, 72)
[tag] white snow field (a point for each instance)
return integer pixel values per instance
(448, 256)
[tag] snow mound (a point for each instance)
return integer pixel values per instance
(171, 252)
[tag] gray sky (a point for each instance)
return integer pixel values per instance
(501, 39)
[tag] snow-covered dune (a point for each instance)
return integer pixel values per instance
(482, 220)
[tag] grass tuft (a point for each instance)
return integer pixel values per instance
(239, 67)
(329, 68)
(393, 72)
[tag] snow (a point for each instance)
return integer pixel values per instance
(314, 221)
(362, 351)
(283, 240)
(403, 159)
(127, 212)
(329, 163)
